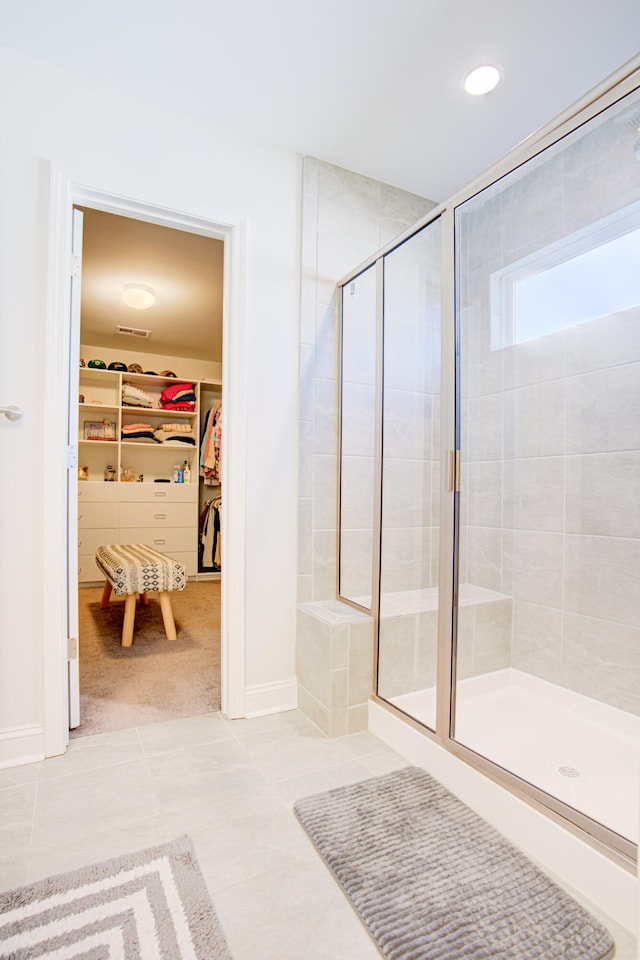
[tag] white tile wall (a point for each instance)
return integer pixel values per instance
(346, 218)
(334, 665)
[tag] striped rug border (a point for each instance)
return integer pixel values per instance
(152, 903)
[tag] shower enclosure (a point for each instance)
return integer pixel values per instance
(490, 469)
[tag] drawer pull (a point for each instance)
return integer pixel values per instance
(160, 516)
(159, 541)
(159, 493)
(79, 543)
(79, 516)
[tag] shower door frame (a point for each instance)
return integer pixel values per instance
(625, 81)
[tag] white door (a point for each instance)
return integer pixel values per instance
(72, 475)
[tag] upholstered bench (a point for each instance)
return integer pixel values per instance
(133, 569)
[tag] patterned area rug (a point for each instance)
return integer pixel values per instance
(150, 905)
(431, 880)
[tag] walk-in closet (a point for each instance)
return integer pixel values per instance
(150, 449)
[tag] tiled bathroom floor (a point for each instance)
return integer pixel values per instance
(230, 785)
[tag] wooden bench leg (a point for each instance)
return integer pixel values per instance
(106, 594)
(167, 615)
(129, 619)
(144, 600)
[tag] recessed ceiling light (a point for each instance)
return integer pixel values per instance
(483, 80)
(138, 296)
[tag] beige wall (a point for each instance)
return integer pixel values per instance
(183, 367)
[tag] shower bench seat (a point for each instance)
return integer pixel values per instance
(136, 569)
(424, 600)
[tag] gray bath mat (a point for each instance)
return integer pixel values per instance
(431, 880)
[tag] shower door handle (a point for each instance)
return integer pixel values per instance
(11, 412)
(454, 471)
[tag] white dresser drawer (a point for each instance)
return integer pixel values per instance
(88, 569)
(166, 539)
(158, 515)
(189, 561)
(97, 492)
(156, 492)
(98, 514)
(90, 539)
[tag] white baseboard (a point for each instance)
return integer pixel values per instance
(20, 745)
(264, 698)
(576, 863)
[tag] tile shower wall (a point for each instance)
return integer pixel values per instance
(410, 466)
(334, 665)
(411, 418)
(551, 437)
(345, 218)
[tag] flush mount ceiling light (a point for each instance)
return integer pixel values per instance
(138, 296)
(483, 80)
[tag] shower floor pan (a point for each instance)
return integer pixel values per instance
(581, 751)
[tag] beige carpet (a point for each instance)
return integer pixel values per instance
(155, 679)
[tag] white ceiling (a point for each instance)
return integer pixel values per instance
(184, 270)
(371, 85)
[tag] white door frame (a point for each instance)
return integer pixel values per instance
(57, 538)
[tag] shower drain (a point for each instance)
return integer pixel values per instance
(569, 772)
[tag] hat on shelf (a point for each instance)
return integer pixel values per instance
(117, 365)
(83, 363)
(134, 368)
(167, 373)
(150, 373)
(97, 365)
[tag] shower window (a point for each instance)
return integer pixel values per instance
(594, 273)
(407, 632)
(548, 637)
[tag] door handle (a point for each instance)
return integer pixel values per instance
(11, 412)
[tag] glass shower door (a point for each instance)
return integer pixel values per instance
(408, 617)
(548, 640)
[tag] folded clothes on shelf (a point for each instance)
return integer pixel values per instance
(135, 397)
(140, 432)
(179, 396)
(176, 427)
(185, 406)
(175, 438)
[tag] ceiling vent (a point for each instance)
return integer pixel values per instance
(133, 332)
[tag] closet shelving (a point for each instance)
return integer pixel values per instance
(164, 514)
(102, 392)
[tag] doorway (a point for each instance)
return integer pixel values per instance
(60, 646)
(132, 354)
